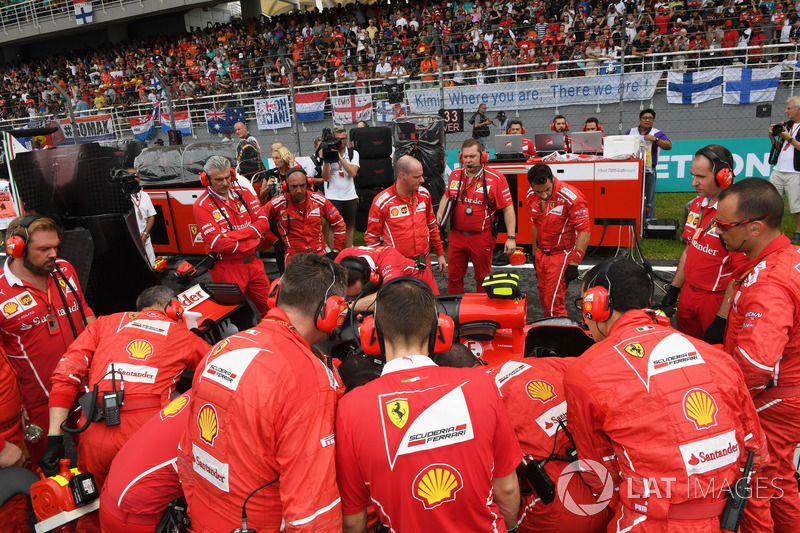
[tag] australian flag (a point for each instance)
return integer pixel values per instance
(222, 119)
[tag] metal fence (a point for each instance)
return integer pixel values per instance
(38, 12)
(302, 133)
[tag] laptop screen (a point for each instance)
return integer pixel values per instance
(508, 144)
(547, 143)
(587, 142)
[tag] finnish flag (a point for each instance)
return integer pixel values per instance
(749, 85)
(694, 87)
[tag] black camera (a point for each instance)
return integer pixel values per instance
(330, 146)
(777, 129)
(126, 180)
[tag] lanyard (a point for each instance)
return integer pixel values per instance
(700, 231)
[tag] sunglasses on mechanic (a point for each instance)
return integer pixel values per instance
(725, 226)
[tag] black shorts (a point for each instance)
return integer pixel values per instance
(347, 208)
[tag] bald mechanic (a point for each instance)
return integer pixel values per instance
(232, 224)
(402, 217)
(560, 235)
(248, 152)
(763, 329)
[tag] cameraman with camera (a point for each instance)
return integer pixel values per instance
(339, 171)
(786, 173)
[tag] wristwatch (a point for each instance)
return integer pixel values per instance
(511, 236)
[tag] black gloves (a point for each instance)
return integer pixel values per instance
(715, 333)
(667, 304)
(571, 274)
(54, 451)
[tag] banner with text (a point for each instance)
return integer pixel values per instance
(536, 94)
(273, 113)
(90, 129)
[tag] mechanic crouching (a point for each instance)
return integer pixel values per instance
(130, 362)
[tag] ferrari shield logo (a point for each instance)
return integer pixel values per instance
(398, 412)
(634, 349)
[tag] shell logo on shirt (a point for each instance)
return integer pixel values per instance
(174, 407)
(207, 422)
(437, 484)
(397, 410)
(396, 212)
(139, 349)
(700, 407)
(10, 309)
(634, 349)
(540, 390)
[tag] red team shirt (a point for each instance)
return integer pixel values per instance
(707, 262)
(564, 214)
(469, 192)
(436, 438)
(249, 222)
(406, 223)
(32, 350)
(385, 260)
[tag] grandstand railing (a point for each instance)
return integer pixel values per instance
(685, 61)
(37, 12)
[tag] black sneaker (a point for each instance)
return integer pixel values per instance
(796, 238)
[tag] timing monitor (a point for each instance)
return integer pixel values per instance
(587, 142)
(547, 143)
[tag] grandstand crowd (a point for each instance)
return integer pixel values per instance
(363, 46)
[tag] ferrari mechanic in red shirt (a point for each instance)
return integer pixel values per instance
(232, 224)
(43, 311)
(402, 217)
(763, 329)
(431, 447)
(300, 213)
(262, 413)
(705, 266)
(474, 193)
(142, 353)
(143, 478)
(14, 513)
(561, 231)
(365, 264)
(533, 393)
(662, 421)
(515, 127)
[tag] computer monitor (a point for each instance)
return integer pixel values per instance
(508, 144)
(547, 143)
(587, 142)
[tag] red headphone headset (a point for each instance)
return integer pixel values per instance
(205, 182)
(174, 310)
(553, 125)
(484, 157)
(17, 244)
(352, 262)
(597, 303)
(371, 336)
(330, 313)
(332, 309)
(599, 126)
(724, 176)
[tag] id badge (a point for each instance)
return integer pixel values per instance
(697, 233)
(52, 324)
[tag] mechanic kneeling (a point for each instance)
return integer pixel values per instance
(149, 350)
